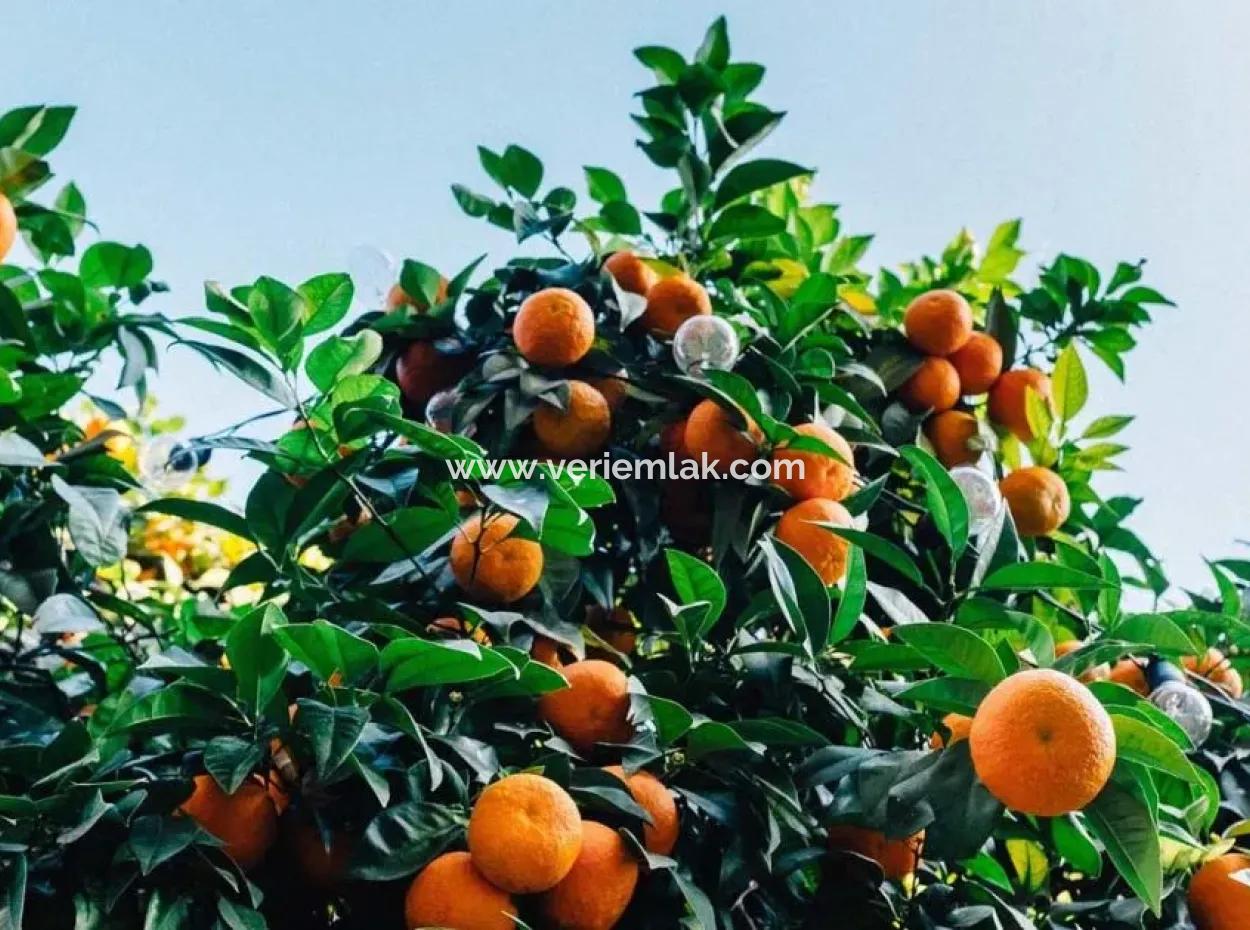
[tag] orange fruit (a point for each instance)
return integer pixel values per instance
(546, 651)
(1214, 666)
(616, 627)
(898, 858)
(979, 363)
(934, 386)
(826, 552)
(1008, 399)
(631, 272)
(950, 433)
(8, 226)
(422, 371)
(1099, 672)
(397, 298)
(1217, 901)
(595, 893)
(1038, 499)
(578, 431)
(594, 708)
(491, 564)
(455, 628)
(710, 431)
(245, 821)
(450, 892)
(1128, 673)
(673, 439)
(322, 867)
(554, 327)
(1042, 744)
(673, 300)
(938, 322)
(659, 836)
(814, 474)
(524, 833)
(957, 725)
(614, 388)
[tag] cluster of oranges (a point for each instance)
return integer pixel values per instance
(963, 362)
(527, 837)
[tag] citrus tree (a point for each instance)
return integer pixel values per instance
(928, 680)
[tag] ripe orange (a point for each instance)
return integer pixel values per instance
(898, 858)
(245, 821)
(1042, 744)
(671, 301)
(578, 431)
(546, 651)
(492, 565)
(938, 322)
(595, 893)
(524, 833)
(659, 836)
(1217, 901)
(1008, 399)
(397, 298)
(8, 226)
(821, 475)
(631, 272)
(322, 867)
(455, 628)
(933, 386)
(1100, 672)
(1214, 666)
(554, 327)
(957, 725)
(673, 439)
(1128, 673)
(979, 363)
(1038, 499)
(616, 627)
(450, 892)
(950, 433)
(614, 388)
(422, 371)
(594, 708)
(711, 432)
(824, 551)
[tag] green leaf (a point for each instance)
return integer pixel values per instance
(604, 186)
(1105, 427)
(199, 511)
(113, 265)
(17, 452)
(1155, 629)
(799, 592)
(879, 548)
(1127, 829)
(1073, 843)
(1137, 741)
(414, 663)
(339, 357)
(327, 648)
(945, 502)
(246, 369)
(947, 695)
(402, 840)
(854, 596)
(523, 170)
(157, 838)
(1069, 384)
(258, 662)
(230, 760)
(714, 50)
(1028, 576)
(756, 175)
(667, 64)
(329, 297)
(333, 732)
(954, 650)
(399, 535)
(694, 580)
(745, 221)
(621, 218)
(97, 521)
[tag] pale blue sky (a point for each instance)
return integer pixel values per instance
(245, 138)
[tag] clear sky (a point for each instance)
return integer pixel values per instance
(242, 138)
